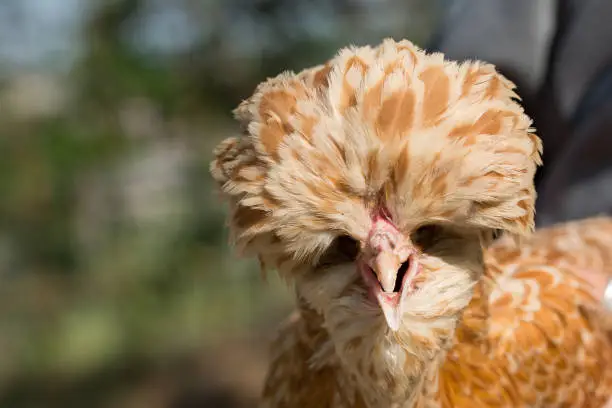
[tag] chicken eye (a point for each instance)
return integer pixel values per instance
(427, 235)
(343, 249)
(497, 234)
(348, 247)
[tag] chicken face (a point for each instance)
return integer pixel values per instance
(396, 276)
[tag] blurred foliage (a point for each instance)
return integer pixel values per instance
(118, 286)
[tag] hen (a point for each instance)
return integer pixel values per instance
(375, 184)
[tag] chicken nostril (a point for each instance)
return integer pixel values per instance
(400, 275)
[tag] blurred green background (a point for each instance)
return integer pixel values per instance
(117, 286)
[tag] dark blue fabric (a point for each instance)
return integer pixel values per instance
(559, 52)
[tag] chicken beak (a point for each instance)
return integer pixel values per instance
(388, 265)
(391, 310)
(385, 266)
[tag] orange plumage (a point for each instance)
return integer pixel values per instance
(375, 184)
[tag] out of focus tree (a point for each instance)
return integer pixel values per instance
(117, 288)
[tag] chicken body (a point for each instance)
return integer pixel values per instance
(531, 337)
(374, 184)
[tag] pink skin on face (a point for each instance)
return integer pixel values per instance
(388, 255)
